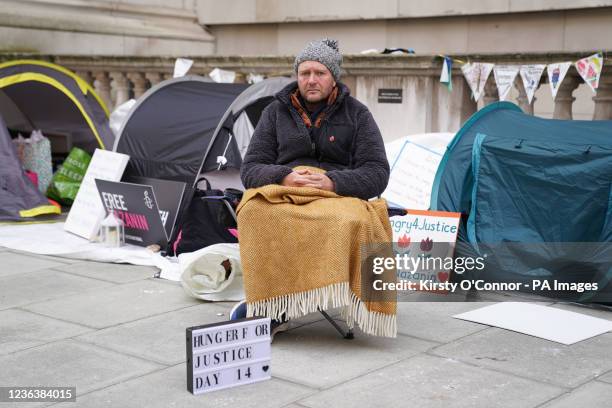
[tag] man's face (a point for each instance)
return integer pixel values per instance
(315, 82)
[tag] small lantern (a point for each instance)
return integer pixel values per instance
(112, 232)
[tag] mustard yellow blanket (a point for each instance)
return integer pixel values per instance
(301, 251)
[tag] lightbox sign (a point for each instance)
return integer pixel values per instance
(224, 355)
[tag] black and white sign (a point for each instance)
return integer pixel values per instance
(228, 354)
(169, 194)
(136, 206)
(389, 96)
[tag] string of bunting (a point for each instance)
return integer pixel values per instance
(477, 73)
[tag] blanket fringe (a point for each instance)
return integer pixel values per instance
(332, 296)
(373, 323)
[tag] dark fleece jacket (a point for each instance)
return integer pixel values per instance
(344, 140)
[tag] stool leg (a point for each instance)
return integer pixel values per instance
(346, 334)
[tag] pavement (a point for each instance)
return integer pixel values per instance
(117, 334)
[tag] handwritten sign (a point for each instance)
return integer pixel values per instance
(428, 239)
(412, 176)
(228, 354)
(87, 211)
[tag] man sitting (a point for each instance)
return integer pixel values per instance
(315, 122)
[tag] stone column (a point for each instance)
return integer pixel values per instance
(490, 92)
(140, 83)
(522, 100)
(121, 87)
(564, 99)
(603, 98)
(103, 88)
(86, 76)
(468, 104)
(154, 78)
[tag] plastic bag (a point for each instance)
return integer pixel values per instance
(67, 179)
(213, 273)
(35, 155)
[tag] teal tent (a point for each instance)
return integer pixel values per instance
(535, 194)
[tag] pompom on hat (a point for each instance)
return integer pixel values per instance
(324, 51)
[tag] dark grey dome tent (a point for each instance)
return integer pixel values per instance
(41, 95)
(170, 128)
(233, 134)
(182, 127)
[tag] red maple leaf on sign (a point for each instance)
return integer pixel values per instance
(426, 245)
(403, 241)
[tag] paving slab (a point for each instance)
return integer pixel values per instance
(167, 388)
(433, 320)
(427, 381)
(160, 338)
(316, 355)
(606, 377)
(117, 273)
(532, 357)
(592, 394)
(599, 312)
(39, 286)
(20, 330)
(71, 363)
(116, 304)
(12, 263)
(53, 258)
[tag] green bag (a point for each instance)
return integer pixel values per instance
(67, 179)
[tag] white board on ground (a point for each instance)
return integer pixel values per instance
(545, 322)
(87, 210)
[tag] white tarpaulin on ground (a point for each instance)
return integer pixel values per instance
(51, 239)
(414, 161)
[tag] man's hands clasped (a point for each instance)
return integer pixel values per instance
(306, 178)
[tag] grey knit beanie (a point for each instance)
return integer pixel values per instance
(324, 51)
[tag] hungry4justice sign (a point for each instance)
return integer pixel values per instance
(428, 239)
(228, 354)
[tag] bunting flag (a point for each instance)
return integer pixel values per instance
(556, 74)
(181, 67)
(531, 74)
(476, 75)
(446, 75)
(504, 79)
(589, 69)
